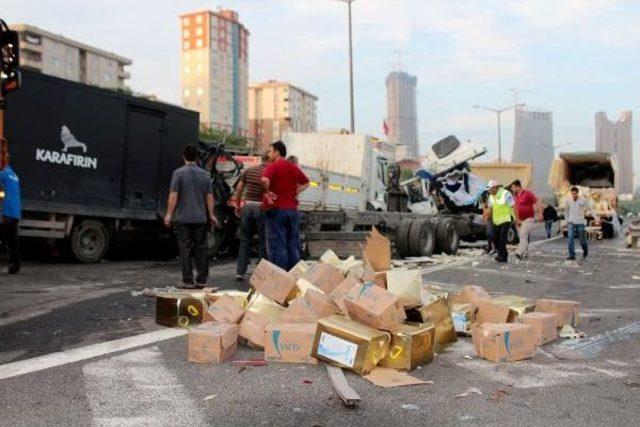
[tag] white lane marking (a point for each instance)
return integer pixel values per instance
(526, 276)
(35, 364)
(624, 286)
(137, 389)
(597, 312)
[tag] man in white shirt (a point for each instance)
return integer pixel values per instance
(574, 208)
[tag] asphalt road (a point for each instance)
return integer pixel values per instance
(72, 308)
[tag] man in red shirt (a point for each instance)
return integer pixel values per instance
(282, 181)
(525, 210)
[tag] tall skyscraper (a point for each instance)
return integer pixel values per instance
(278, 107)
(616, 138)
(59, 56)
(402, 114)
(534, 144)
(214, 69)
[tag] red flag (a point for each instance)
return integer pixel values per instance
(385, 127)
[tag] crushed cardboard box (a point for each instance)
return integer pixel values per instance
(388, 377)
(224, 310)
(340, 292)
(324, 276)
(374, 306)
(406, 285)
(259, 313)
(412, 344)
(504, 342)
(321, 303)
(490, 311)
(299, 311)
(377, 251)
(180, 309)
(273, 282)
(516, 304)
(471, 294)
(544, 326)
(567, 311)
(436, 312)
(212, 343)
(299, 270)
(463, 315)
(289, 342)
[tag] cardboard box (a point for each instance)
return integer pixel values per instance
(273, 282)
(321, 303)
(259, 313)
(289, 342)
(516, 304)
(299, 270)
(179, 309)
(406, 285)
(471, 294)
(225, 310)
(349, 344)
(341, 291)
(504, 342)
(463, 315)
(567, 311)
(377, 251)
(412, 344)
(324, 276)
(437, 313)
(492, 312)
(212, 343)
(374, 306)
(303, 285)
(299, 311)
(240, 297)
(544, 326)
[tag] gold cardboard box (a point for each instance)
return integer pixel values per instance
(179, 309)
(437, 313)
(239, 296)
(259, 313)
(412, 344)
(516, 304)
(349, 344)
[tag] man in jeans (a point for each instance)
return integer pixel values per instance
(191, 200)
(251, 215)
(282, 181)
(525, 209)
(549, 215)
(500, 213)
(11, 209)
(574, 207)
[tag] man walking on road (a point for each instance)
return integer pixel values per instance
(525, 209)
(549, 215)
(191, 199)
(251, 215)
(501, 213)
(574, 208)
(282, 181)
(11, 209)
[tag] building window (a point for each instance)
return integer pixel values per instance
(199, 19)
(199, 67)
(185, 33)
(187, 92)
(199, 43)
(198, 31)
(187, 69)
(32, 39)
(186, 44)
(185, 22)
(199, 91)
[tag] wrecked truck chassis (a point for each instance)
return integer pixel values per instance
(411, 234)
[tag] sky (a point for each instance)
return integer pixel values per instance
(571, 57)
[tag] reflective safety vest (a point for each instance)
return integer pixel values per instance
(502, 210)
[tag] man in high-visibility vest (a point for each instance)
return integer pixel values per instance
(501, 213)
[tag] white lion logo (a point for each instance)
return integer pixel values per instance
(70, 141)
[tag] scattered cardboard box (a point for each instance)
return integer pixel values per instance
(463, 315)
(179, 309)
(504, 342)
(567, 311)
(299, 311)
(299, 270)
(303, 285)
(212, 343)
(259, 313)
(374, 306)
(412, 344)
(377, 251)
(324, 276)
(436, 312)
(389, 377)
(273, 282)
(516, 304)
(239, 296)
(349, 344)
(289, 342)
(225, 310)
(492, 312)
(544, 326)
(321, 303)
(341, 291)
(471, 294)
(406, 285)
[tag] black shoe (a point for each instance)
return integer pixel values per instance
(500, 259)
(185, 285)
(13, 270)
(571, 258)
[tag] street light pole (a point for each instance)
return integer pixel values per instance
(351, 97)
(498, 114)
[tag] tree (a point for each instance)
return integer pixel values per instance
(230, 140)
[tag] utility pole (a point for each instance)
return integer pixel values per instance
(498, 114)
(351, 100)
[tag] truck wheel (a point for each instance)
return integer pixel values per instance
(447, 237)
(422, 239)
(402, 237)
(90, 241)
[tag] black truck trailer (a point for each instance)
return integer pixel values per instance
(94, 164)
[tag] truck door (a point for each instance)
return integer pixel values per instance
(145, 134)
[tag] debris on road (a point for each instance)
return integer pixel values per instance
(410, 407)
(568, 331)
(388, 377)
(470, 391)
(210, 397)
(347, 394)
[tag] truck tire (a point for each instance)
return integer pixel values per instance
(422, 238)
(447, 237)
(90, 240)
(402, 237)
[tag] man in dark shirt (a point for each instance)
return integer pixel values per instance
(191, 199)
(11, 209)
(549, 215)
(282, 181)
(251, 215)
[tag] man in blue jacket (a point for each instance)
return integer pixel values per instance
(11, 210)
